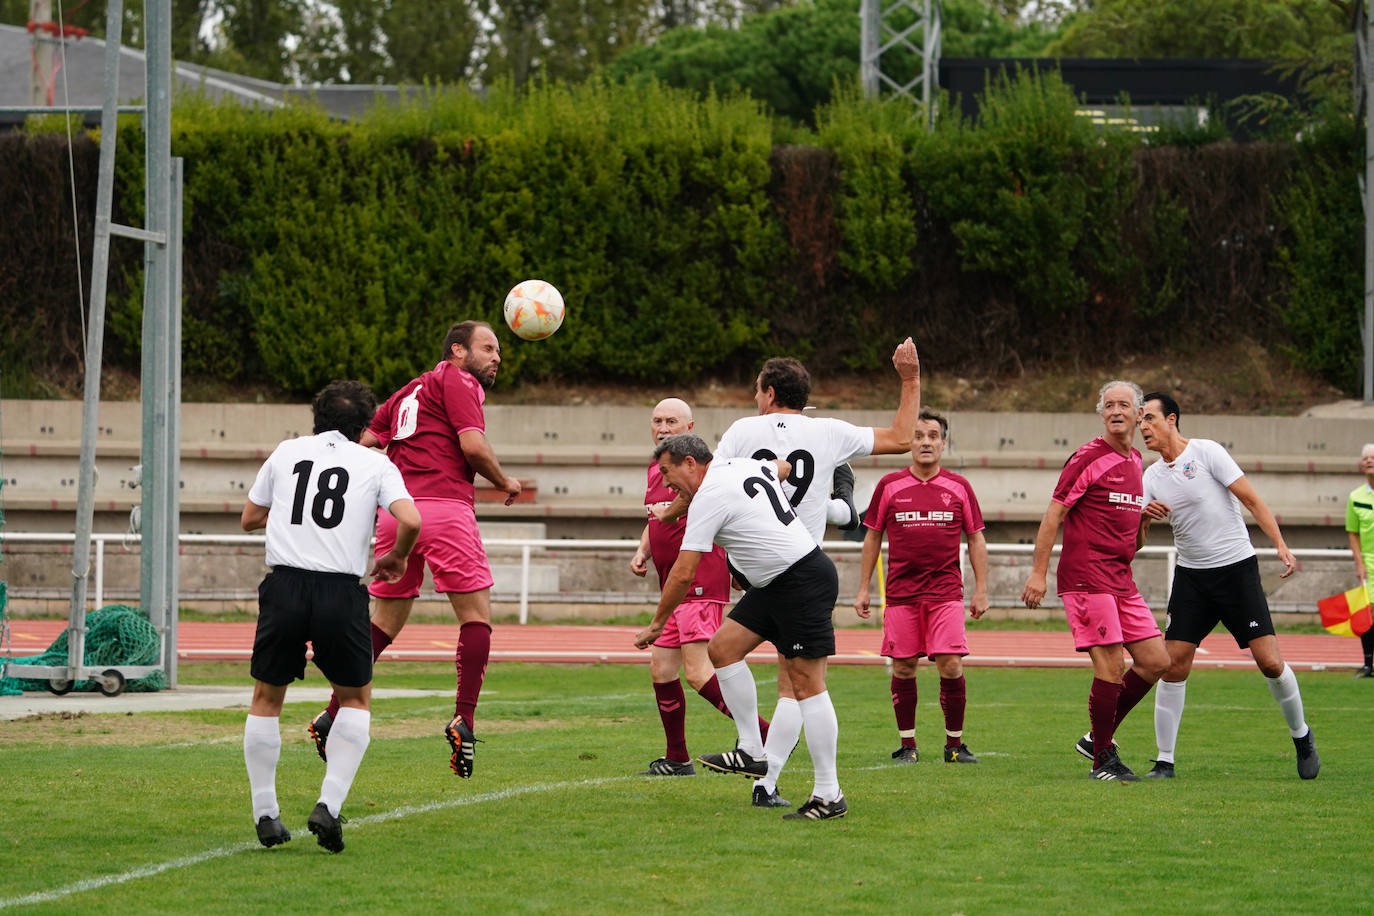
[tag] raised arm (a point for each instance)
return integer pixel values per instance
(896, 438)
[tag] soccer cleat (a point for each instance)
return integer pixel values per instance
(319, 731)
(1364, 671)
(665, 767)
(842, 487)
(327, 828)
(1308, 761)
(462, 742)
(906, 754)
(1109, 766)
(737, 762)
(1085, 746)
(1162, 769)
(960, 754)
(271, 831)
(765, 799)
(815, 809)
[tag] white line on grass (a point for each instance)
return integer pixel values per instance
(148, 871)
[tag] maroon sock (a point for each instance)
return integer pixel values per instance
(904, 705)
(953, 699)
(1102, 714)
(379, 643)
(672, 709)
(470, 661)
(1133, 690)
(710, 692)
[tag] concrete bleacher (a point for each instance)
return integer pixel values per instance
(584, 470)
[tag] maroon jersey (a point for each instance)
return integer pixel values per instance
(712, 582)
(1103, 491)
(419, 427)
(923, 520)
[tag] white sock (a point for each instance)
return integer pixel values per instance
(822, 740)
(1169, 696)
(348, 738)
(836, 513)
(1285, 690)
(738, 690)
(261, 748)
(783, 731)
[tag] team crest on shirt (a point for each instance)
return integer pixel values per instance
(945, 498)
(1101, 631)
(1189, 470)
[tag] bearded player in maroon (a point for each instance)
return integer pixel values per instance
(682, 643)
(434, 430)
(924, 509)
(1098, 500)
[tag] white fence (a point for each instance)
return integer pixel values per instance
(528, 545)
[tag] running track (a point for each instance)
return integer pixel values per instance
(590, 643)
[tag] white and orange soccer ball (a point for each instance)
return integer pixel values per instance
(534, 309)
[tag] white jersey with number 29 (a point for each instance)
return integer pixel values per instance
(741, 506)
(324, 491)
(814, 446)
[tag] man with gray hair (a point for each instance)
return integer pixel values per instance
(1359, 527)
(1098, 500)
(790, 593)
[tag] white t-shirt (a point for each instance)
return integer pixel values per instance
(1209, 529)
(814, 446)
(741, 506)
(324, 491)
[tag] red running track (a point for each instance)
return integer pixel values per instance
(591, 643)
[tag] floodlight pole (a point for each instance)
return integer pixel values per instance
(1364, 40)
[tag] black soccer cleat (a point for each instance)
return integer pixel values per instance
(842, 487)
(960, 754)
(1108, 766)
(814, 809)
(319, 731)
(1308, 762)
(1364, 671)
(906, 754)
(1162, 769)
(666, 767)
(272, 832)
(462, 743)
(736, 762)
(327, 828)
(762, 798)
(1085, 746)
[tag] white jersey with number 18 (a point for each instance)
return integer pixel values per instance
(814, 446)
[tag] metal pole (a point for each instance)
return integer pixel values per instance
(1367, 75)
(525, 583)
(173, 481)
(40, 72)
(870, 23)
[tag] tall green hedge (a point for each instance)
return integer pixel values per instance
(687, 242)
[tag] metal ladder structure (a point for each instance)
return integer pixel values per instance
(884, 28)
(158, 516)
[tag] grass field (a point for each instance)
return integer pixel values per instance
(150, 813)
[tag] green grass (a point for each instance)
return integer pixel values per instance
(554, 822)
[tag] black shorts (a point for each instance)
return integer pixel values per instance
(1232, 595)
(796, 611)
(329, 610)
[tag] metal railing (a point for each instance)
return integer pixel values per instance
(527, 546)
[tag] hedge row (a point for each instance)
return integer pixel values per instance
(688, 240)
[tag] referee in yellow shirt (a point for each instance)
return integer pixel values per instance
(1359, 527)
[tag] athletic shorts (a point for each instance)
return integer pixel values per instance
(796, 611)
(1107, 620)
(1231, 595)
(329, 610)
(924, 628)
(448, 542)
(693, 621)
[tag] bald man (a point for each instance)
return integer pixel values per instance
(682, 645)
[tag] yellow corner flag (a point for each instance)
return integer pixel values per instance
(1346, 614)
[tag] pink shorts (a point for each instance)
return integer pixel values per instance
(693, 621)
(924, 628)
(448, 542)
(1107, 620)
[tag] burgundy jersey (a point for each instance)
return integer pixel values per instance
(1103, 491)
(712, 582)
(419, 427)
(923, 520)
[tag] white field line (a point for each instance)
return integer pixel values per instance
(148, 871)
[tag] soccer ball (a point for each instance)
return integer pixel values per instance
(534, 309)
